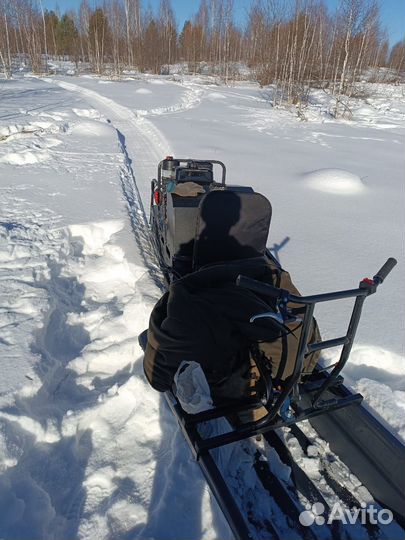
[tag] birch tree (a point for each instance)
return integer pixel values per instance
(5, 50)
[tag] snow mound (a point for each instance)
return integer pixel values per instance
(335, 181)
(91, 128)
(87, 113)
(373, 357)
(93, 236)
(6, 131)
(26, 157)
(142, 91)
(216, 95)
(50, 142)
(366, 110)
(10, 131)
(44, 125)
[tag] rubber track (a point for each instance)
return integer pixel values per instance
(340, 491)
(301, 481)
(283, 497)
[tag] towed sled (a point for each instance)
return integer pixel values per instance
(201, 225)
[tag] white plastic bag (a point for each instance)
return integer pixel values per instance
(192, 388)
(193, 392)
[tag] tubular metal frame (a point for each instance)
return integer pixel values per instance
(271, 420)
(190, 160)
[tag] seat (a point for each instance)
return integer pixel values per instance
(181, 219)
(231, 225)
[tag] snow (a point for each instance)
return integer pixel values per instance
(87, 448)
(143, 91)
(25, 157)
(335, 181)
(383, 399)
(216, 95)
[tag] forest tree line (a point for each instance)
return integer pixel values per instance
(294, 44)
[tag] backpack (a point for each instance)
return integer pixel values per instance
(281, 353)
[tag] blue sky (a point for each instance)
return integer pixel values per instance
(392, 11)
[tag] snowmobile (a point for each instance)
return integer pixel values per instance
(363, 442)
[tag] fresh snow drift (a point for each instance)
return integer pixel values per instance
(143, 91)
(335, 181)
(87, 448)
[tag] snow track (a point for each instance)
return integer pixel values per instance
(25, 249)
(191, 99)
(74, 452)
(142, 133)
(140, 142)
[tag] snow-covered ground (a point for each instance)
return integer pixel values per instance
(87, 449)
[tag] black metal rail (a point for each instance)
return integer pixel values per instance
(345, 496)
(258, 427)
(307, 488)
(237, 522)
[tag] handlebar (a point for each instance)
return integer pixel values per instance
(367, 287)
(384, 271)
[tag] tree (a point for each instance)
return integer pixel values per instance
(66, 35)
(98, 35)
(116, 17)
(151, 58)
(5, 50)
(168, 32)
(51, 23)
(397, 57)
(29, 25)
(292, 44)
(190, 45)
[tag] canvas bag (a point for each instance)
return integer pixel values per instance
(282, 353)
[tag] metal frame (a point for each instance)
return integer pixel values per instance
(154, 217)
(318, 406)
(213, 476)
(191, 160)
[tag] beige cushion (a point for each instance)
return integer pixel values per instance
(188, 189)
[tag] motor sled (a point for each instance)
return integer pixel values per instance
(190, 202)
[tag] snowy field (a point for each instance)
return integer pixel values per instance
(87, 449)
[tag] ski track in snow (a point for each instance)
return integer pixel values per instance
(146, 143)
